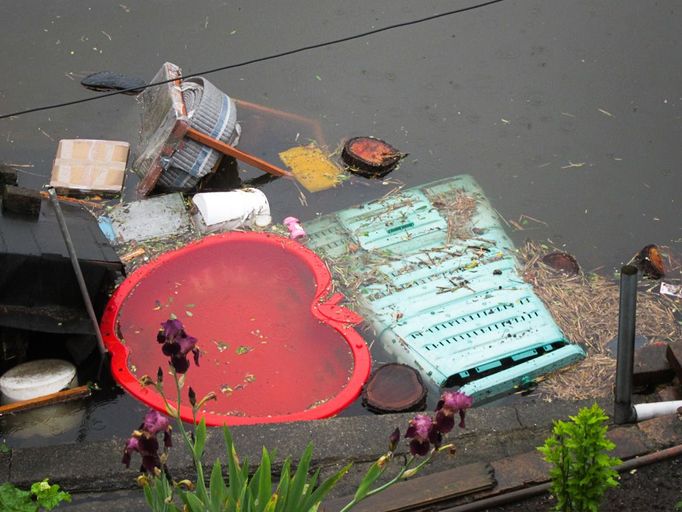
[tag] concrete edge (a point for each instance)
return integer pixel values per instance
(97, 465)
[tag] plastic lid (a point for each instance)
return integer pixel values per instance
(394, 387)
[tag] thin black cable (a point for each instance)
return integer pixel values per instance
(256, 60)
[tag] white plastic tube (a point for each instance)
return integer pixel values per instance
(218, 211)
(656, 409)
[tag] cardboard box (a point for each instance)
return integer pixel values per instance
(89, 166)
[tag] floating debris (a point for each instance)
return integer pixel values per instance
(234, 209)
(221, 345)
(312, 167)
(317, 403)
(650, 262)
(458, 210)
(394, 388)
(674, 290)
(585, 306)
(130, 256)
(85, 166)
(562, 261)
(370, 157)
(106, 81)
(296, 231)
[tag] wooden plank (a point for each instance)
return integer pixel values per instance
(314, 124)
(226, 149)
(21, 200)
(53, 398)
(75, 200)
(423, 491)
(651, 366)
(8, 176)
(520, 470)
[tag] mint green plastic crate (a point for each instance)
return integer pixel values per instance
(433, 272)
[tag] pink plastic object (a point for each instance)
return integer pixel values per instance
(296, 231)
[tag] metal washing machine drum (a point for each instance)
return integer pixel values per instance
(212, 112)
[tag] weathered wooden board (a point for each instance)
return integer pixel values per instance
(423, 491)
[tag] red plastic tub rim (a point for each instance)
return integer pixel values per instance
(322, 307)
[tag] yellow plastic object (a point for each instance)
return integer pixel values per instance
(312, 167)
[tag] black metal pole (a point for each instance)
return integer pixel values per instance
(79, 274)
(623, 410)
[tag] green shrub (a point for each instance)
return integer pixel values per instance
(42, 496)
(581, 469)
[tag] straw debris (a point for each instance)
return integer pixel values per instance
(585, 307)
(135, 254)
(458, 211)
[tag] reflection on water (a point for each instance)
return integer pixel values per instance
(51, 421)
(105, 414)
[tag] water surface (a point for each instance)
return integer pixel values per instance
(569, 114)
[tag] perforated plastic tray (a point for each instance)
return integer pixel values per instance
(433, 272)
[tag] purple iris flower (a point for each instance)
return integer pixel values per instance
(144, 441)
(423, 432)
(177, 345)
(451, 402)
(147, 447)
(170, 330)
(393, 440)
(155, 422)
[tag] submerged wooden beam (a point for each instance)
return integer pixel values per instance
(41, 401)
(8, 176)
(75, 200)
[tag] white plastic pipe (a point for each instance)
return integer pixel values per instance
(234, 209)
(656, 409)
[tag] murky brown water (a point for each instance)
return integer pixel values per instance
(569, 113)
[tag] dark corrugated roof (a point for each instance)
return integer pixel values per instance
(38, 286)
(23, 236)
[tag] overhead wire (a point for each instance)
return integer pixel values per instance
(257, 59)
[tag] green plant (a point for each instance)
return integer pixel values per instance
(296, 489)
(581, 469)
(42, 496)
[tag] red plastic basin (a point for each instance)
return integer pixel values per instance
(274, 346)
